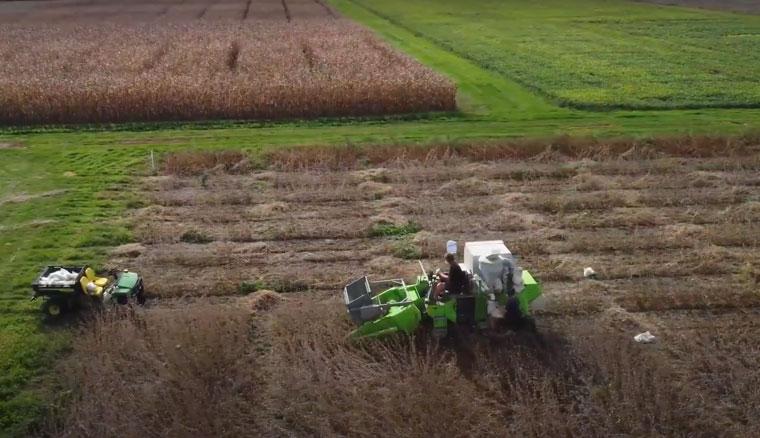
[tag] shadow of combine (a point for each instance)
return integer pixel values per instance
(499, 351)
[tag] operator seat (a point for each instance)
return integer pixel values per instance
(89, 287)
(99, 281)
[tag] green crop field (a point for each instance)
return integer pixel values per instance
(587, 68)
(598, 54)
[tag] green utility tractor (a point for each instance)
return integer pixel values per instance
(496, 285)
(66, 288)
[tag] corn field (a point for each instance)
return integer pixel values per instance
(262, 59)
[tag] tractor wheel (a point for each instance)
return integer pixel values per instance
(54, 309)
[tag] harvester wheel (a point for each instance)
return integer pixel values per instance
(141, 295)
(530, 325)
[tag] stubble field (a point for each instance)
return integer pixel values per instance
(671, 227)
(266, 59)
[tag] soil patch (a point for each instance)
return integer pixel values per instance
(11, 145)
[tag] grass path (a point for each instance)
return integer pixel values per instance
(56, 205)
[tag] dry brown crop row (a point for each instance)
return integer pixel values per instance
(59, 11)
(313, 66)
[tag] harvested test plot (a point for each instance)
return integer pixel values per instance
(326, 214)
(670, 229)
(236, 60)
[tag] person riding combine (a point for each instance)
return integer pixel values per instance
(455, 281)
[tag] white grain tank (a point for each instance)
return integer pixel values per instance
(492, 261)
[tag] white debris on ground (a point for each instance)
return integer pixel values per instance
(589, 272)
(60, 277)
(644, 338)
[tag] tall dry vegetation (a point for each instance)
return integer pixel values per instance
(188, 371)
(213, 370)
(194, 163)
(577, 382)
(263, 67)
(563, 148)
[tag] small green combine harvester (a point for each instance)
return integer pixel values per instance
(65, 288)
(392, 306)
